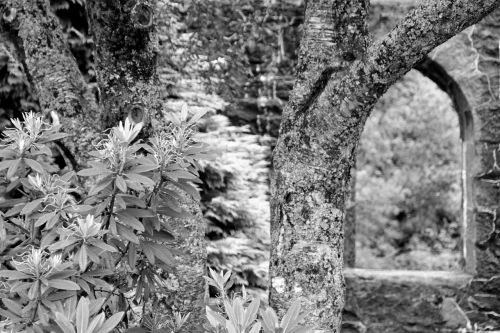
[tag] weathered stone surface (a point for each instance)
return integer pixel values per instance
(404, 301)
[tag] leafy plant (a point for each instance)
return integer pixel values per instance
(240, 314)
(79, 258)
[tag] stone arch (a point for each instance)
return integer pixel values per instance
(468, 68)
(437, 73)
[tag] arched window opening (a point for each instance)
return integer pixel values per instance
(409, 179)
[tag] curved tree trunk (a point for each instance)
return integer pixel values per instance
(126, 52)
(312, 161)
(339, 81)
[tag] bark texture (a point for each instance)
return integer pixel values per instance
(350, 222)
(311, 172)
(126, 52)
(51, 69)
(320, 131)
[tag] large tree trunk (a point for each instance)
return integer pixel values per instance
(126, 52)
(312, 161)
(339, 81)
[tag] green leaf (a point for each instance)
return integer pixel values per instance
(103, 246)
(148, 252)
(6, 154)
(82, 315)
(120, 184)
(132, 255)
(180, 174)
(63, 284)
(130, 221)
(140, 179)
(34, 165)
(96, 322)
(13, 306)
(251, 312)
(61, 274)
(31, 206)
(53, 137)
(64, 323)
(100, 186)
(161, 236)
(99, 272)
(132, 200)
(143, 168)
(137, 212)
(82, 258)
(20, 287)
(94, 172)
(214, 318)
(189, 189)
(80, 209)
(14, 318)
(288, 319)
(14, 275)
(111, 323)
(255, 328)
(127, 233)
(6, 164)
(13, 168)
(57, 296)
(161, 252)
(165, 210)
(45, 218)
(196, 117)
(269, 320)
(63, 244)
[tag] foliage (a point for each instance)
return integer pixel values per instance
(408, 180)
(235, 203)
(238, 46)
(234, 192)
(240, 314)
(79, 247)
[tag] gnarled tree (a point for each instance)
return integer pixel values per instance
(340, 76)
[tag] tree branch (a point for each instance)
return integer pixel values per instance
(424, 28)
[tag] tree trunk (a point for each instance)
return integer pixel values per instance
(339, 80)
(312, 161)
(350, 222)
(52, 71)
(126, 52)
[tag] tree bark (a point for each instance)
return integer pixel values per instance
(312, 169)
(51, 70)
(350, 222)
(126, 52)
(339, 80)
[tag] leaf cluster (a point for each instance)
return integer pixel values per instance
(242, 314)
(80, 250)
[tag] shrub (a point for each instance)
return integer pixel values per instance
(85, 252)
(240, 314)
